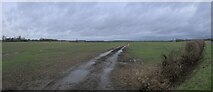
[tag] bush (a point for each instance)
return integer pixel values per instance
(171, 67)
(178, 62)
(193, 52)
(174, 67)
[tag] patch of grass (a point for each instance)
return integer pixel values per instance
(35, 52)
(25, 62)
(150, 52)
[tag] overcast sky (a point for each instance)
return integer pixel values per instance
(107, 21)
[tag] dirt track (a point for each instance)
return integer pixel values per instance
(92, 75)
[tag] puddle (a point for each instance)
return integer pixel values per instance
(110, 64)
(89, 75)
(73, 78)
(103, 54)
(80, 73)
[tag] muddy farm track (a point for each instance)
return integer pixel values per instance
(93, 75)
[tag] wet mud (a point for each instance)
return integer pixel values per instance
(92, 75)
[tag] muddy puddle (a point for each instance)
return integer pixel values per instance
(105, 82)
(94, 74)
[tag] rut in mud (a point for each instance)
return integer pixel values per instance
(94, 74)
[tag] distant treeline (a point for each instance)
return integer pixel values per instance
(22, 39)
(180, 40)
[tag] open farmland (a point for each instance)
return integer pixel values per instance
(150, 52)
(50, 65)
(101, 45)
(33, 64)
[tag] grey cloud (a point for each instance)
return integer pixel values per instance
(107, 21)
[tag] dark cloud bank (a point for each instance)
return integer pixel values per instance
(107, 21)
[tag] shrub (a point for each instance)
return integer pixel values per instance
(178, 62)
(193, 52)
(174, 67)
(171, 67)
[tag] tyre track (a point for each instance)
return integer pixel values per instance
(94, 74)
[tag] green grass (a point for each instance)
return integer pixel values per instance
(19, 53)
(201, 76)
(151, 52)
(27, 61)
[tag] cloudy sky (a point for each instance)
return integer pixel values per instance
(107, 21)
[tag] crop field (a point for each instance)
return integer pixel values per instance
(33, 61)
(100, 45)
(34, 65)
(150, 52)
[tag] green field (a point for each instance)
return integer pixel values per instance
(20, 53)
(25, 63)
(150, 52)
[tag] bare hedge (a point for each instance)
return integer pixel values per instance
(178, 62)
